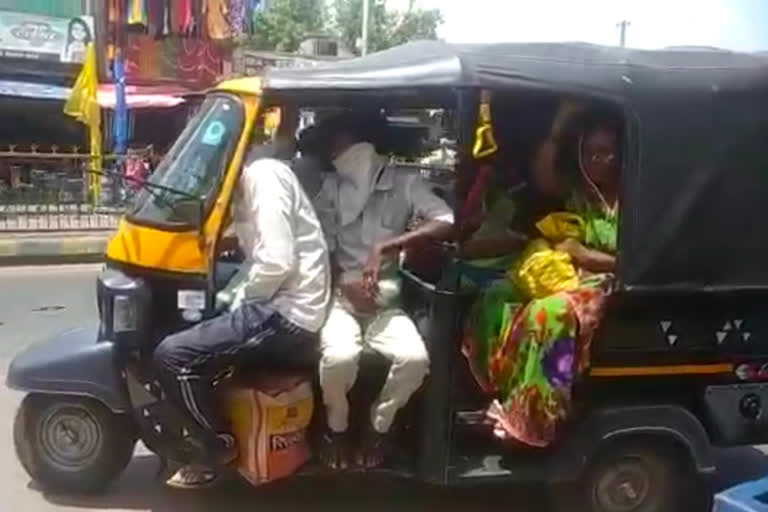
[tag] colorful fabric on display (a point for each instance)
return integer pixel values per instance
(182, 19)
(137, 12)
(238, 17)
(216, 16)
(158, 17)
(192, 62)
(114, 10)
(121, 109)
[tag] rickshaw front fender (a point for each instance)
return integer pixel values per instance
(604, 426)
(72, 363)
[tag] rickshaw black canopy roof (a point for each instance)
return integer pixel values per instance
(695, 184)
(558, 66)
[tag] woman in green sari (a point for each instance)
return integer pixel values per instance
(529, 355)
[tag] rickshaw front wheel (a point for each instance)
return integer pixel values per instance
(71, 444)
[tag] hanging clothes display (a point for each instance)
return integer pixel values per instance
(238, 17)
(182, 17)
(137, 12)
(198, 8)
(167, 18)
(216, 16)
(158, 17)
(114, 10)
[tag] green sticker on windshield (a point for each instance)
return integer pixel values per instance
(214, 133)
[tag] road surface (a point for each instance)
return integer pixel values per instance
(36, 302)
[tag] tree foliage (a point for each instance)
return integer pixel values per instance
(287, 23)
(387, 28)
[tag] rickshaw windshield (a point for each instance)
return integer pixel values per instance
(192, 170)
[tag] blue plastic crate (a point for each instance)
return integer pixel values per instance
(748, 497)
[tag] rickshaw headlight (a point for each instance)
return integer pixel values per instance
(124, 308)
(124, 314)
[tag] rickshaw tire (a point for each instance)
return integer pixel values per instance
(671, 473)
(113, 452)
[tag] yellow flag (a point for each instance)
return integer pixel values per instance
(83, 105)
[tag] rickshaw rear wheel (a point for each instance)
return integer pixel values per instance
(71, 444)
(630, 476)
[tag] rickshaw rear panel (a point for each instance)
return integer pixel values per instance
(683, 327)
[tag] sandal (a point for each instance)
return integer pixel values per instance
(192, 476)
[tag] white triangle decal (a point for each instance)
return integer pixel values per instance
(672, 339)
(738, 323)
(721, 336)
(727, 326)
(746, 335)
(665, 325)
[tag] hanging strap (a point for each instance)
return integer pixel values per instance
(485, 142)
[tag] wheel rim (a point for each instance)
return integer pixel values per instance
(70, 437)
(624, 486)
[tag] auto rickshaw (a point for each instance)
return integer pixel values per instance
(678, 366)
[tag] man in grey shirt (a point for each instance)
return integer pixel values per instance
(364, 208)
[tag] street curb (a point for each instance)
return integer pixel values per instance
(52, 249)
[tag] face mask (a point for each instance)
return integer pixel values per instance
(355, 161)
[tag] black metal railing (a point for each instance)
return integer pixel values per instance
(57, 192)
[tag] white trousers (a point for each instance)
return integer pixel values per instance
(391, 333)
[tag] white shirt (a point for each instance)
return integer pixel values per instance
(398, 196)
(286, 265)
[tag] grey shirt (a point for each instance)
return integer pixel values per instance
(398, 195)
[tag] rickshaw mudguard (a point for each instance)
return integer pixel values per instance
(72, 363)
(599, 429)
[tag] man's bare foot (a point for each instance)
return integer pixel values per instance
(373, 451)
(334, 450)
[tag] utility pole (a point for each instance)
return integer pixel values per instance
(364, 43)
(623, 24)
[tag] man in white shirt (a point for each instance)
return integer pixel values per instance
(365, 208)
(277, 302)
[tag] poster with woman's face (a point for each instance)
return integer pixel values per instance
(79, 34)
(44, 38)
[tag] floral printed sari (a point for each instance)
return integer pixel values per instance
(530, 355)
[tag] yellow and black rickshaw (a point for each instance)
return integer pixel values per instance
(677, 366)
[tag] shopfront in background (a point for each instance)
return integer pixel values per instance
(255, 63)
(40, 56)
(169, 49)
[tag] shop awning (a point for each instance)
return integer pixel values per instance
(145, 96)
(160, 96)
(33, 90)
